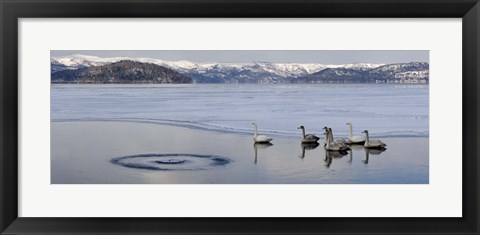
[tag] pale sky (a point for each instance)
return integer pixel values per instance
(275, 56)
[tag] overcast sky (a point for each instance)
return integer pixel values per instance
(275, 56)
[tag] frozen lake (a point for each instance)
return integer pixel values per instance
(202, 133)
(386, 110)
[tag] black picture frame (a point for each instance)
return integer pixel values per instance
(12, 10)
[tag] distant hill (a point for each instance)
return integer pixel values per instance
(122, 72)
(414, 72)
(255, 72)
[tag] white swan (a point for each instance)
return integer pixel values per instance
(308, 138)
(260, 138)
(354, 139)
(332, 146)
(373, 143)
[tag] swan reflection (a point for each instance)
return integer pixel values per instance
(308, 146)
(355, 147)
(257, 146)
(329, 155)
(369, 151)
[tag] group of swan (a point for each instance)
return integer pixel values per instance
(333, 145)
(365, 141)
(329, 155)
(330, 143)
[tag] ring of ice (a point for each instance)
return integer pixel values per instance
(171, 161)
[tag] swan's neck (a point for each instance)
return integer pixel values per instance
(367, 137)
(350, 132)
(256, 132)
(327, 139)
(331, 134)
(303, 133)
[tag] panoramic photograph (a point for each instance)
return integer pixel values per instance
(239, 116)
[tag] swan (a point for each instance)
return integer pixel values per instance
(354, 139)
(326, 137)
(373, 143)
(332, 146)
(308, 138)
(339, 140)
(260, 138)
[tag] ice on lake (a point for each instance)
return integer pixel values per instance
(202, 133)
(386, 110)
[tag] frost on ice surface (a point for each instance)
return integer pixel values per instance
(384, 109)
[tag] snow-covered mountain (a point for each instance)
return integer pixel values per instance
(413, 72)
(78, 60)
(122, 72)
(279, 69)
(254, 72)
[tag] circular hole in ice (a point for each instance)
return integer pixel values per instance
(171, 161)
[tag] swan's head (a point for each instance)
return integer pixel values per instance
(365, 131)
(301, 127)
(325, 128)
(330, 129)
(254, 123)
(349, 123)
